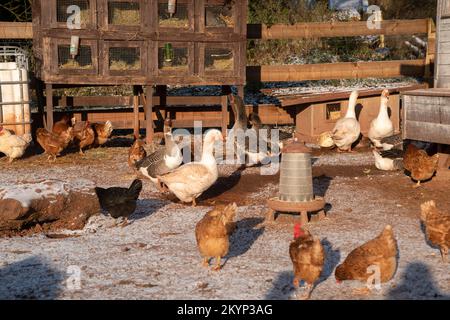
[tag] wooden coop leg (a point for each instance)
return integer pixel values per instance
(304, 217)
(241, 92)
(224, 103)
(149, 90)
(270, 216)
(136, 112)
(49, 109)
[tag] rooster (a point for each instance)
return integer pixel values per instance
(212, 233)
(437, 227)
(308, 257)
(120, 202)
(13, 146)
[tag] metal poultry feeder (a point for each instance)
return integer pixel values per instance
(296, 193)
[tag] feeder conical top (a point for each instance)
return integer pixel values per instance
(296, 146)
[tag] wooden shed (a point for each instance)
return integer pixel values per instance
(426, 112)
(140, 42)
(317, 113)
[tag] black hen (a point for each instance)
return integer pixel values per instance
(120, 202)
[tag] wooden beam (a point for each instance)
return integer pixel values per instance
(342, 70)
(335, 29)
(24, 30)
(16, 30)
(49, 107)
(149, 90)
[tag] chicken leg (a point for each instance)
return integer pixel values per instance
(194, 203)
(307, 294)
(205, 262)
(417, 185)
(218, 266)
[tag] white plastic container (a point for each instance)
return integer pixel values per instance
(18, 112)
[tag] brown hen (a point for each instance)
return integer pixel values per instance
(437, 227)
(84, 134)
(54, 144)
(420, 164)
(102, 132)
(212, 233)
(136, 153)
(308, 257)
(62, 125)
(380, 252)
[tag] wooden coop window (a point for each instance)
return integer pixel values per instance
(219, 60)
(86, 12)
(333, 111)
(124, 13)
(85, 62)
(173, 58)
(181, 19)
(219, 14)
(125, 59)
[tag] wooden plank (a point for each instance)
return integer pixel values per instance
(335, 29)
(445, 114)
(432, 92)
(49, 107)
(324, 97)
(431, 132)
(423, 112)
(149, 90)
(342, 70)
(16, 30)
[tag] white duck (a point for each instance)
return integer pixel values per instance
(347, 130)
(387, 164)
(381, 127)
(189, 181)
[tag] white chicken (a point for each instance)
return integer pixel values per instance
(13, 146)
(347, 130)
(382, 126)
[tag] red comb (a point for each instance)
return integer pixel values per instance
(298, 231)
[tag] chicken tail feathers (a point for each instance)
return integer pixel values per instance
(135, 189)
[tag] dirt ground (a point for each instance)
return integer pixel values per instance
(155, 257)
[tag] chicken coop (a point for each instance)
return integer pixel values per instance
(139, 42)
(426, 112)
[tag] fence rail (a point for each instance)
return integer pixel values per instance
(335, 29)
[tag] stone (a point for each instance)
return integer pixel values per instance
(52, 204)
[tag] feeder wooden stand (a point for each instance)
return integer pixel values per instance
(276, 205)
(296, 187)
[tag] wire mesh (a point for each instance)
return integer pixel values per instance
(180, 19)
(219, 59)
(122, 58)
(173, 59)
(63, 16)
(83, 60)
(124, 13)
(219, 15)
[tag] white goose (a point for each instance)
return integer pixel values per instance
(347, 130)
(189, 181)
(381, 127)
